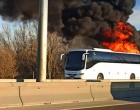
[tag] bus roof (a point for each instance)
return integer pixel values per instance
(94, 49)
(101, 50)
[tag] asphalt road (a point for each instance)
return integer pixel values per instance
(98, 105)
(116, 107)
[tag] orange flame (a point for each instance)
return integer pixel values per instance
(120, 36)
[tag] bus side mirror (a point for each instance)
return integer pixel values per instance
(61, 57)
(84, 56)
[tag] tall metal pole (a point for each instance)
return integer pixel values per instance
(42, 41)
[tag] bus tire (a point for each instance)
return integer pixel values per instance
(132, 76)
(100, 76)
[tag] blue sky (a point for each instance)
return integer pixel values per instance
(134, 18)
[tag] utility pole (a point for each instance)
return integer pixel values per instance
(42, 41)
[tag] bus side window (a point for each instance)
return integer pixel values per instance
(90, 61)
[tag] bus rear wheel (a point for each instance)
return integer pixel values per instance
(132, 76)
(100, 76)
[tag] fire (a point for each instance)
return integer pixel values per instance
(118, 38)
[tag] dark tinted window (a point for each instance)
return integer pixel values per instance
(95, 56)
(74, 60)
(102, 56)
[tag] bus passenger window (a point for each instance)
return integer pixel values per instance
(90, 61)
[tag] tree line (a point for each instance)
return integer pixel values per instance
(18, 52)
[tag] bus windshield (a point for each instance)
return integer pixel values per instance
(74, 60)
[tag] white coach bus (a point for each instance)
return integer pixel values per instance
(99, 64)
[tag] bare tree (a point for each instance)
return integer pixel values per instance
(7, 55)
(25, 46)
(22, 42)
(7, 63)
(55, 49)
(5, 37)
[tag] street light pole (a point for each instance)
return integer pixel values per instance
(42, 41)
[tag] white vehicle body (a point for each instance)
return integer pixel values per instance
(124, 68)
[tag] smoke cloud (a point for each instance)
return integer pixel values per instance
(18, 9)
(90, 19)
(82, 21)
(23, 10)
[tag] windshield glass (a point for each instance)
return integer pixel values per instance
(74, 60)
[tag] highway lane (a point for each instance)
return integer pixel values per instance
(98, 105)
(135, 106)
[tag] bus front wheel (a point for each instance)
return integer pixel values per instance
(100, 76)
(132, 76)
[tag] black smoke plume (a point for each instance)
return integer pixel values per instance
(82, 21)
(24, 10)
(90, 19)
(18, 9)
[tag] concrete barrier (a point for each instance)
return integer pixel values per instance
(65, 91)
(123, 90)
(55, 93)
(100, 91)
(113, 90)
(9, 96)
